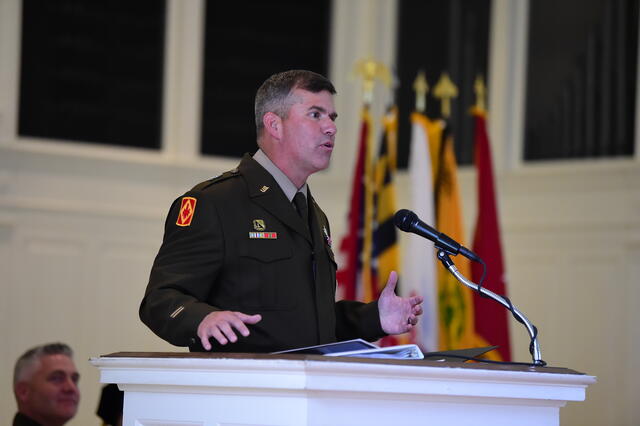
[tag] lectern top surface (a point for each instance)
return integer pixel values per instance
(321, 358)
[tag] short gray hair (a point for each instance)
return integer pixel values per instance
(28, 359)
(273, 94)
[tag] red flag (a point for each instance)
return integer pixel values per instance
(491, 318)
(352, 244)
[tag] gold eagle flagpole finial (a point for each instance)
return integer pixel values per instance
(370, 70)
(421, 88)
(445, 90)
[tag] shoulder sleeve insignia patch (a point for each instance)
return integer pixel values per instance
(187, 209)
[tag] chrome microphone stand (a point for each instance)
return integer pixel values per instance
(534, 347)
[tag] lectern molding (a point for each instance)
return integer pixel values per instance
(316, 390)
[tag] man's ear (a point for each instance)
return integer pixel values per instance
(21, 390)
(272, 125)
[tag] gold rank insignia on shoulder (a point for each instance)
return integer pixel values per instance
(265, 188)
(258, 225)
(263, 235)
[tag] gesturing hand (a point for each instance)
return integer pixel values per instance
(398, 314)
(220, 325)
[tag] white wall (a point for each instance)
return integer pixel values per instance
(79, 225)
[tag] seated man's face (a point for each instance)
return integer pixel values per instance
(52, 393)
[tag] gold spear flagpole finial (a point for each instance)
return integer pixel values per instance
(421, 88)
(445, 90)
(481, 92)
(371, 70)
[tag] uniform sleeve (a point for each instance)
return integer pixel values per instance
(184, 270)
(358, 320)
(354, 320)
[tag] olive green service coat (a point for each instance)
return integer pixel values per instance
(221, 261)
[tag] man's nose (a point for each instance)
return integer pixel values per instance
(330, 128)
(70, 386)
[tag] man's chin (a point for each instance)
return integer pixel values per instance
(67, 409)
(324, 164)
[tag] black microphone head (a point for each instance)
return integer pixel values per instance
(403, 219)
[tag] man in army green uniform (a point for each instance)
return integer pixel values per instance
(246, 263)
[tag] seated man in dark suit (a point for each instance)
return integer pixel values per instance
(45, 384)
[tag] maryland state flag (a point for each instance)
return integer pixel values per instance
(491, 319)
(385, 256)
(455, 301)
(356, 247)
(370, 248)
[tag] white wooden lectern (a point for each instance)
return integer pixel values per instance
(172, 389)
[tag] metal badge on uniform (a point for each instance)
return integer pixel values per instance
(327, 238)
(260, 225)
(264, 189)
(187, 209)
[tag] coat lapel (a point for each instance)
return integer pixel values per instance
(264, 191)
(316, 225)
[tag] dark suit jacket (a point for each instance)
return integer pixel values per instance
(213, 264)
(22, 420)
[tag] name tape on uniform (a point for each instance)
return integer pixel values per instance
(263, 235)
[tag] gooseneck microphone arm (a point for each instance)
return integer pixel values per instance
(534, 347)
(408, 221)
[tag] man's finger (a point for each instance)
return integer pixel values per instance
(227, 331)
(207, 333)
(217, 334)
(239, 319)
(204, 339)
(238, 324)
(249, 319)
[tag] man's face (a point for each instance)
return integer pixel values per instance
(52, 394)
(308, 132)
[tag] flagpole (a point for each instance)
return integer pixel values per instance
(534, 347)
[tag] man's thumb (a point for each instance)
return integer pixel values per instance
(391, 282)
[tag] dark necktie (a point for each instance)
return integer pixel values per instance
(300, 201)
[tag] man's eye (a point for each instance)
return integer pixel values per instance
(314, 114)
(57, 378)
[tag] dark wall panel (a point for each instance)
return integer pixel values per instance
(92, 71)
(437, 36)
(581, 79)
(245, 43)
